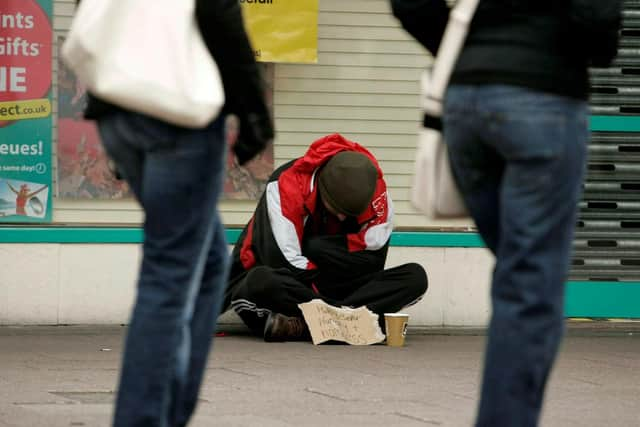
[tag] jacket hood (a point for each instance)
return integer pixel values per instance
(321, 150)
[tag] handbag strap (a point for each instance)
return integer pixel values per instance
(452, 41)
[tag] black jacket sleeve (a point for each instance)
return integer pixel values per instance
(425, 20)
(596, 27)
(224, 33)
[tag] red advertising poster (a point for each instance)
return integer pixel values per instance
(25, 69)
(83, 167)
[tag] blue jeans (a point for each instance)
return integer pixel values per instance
(176, 174)
(519, 157)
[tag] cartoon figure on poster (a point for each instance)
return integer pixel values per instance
(249, 181)
(84, 170)
(28, 199)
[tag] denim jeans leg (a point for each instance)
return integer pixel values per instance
(178, 179)
(477, 167)
(542, 140)
(206, 310)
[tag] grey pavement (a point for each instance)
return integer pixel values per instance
(66, 376)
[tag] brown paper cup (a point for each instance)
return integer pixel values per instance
(396, 327)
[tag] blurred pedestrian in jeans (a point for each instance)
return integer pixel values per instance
(515, 122)
(177, 174)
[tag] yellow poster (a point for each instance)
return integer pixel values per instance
(282, 30)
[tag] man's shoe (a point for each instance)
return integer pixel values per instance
(280, 328)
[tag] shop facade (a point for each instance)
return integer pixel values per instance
(77, 262)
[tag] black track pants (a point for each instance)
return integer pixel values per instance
(255, 293)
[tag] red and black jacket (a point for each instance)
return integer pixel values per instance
(287, 228)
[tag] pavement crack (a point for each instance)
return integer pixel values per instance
(462, 396)
(422, 420)
(46, 402)
(87, 397)
(330, 396)
(582, 380)
(260, 362)
(238, 372)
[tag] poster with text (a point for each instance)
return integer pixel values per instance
(282, 30)
(25, 110)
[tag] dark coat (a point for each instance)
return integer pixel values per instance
(545, 45)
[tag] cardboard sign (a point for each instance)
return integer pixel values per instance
(355, 326)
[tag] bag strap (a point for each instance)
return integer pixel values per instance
(452, 41)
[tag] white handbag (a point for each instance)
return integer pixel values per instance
(434, 191)
(146, 56)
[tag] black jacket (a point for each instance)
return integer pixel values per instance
(541, 44)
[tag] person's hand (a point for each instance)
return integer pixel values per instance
(256, 132)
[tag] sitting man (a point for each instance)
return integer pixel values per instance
(320, 230)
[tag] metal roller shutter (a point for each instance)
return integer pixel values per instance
(607, 243)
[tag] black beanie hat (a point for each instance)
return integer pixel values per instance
(347, 182)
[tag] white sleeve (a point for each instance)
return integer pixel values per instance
(284, 231)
